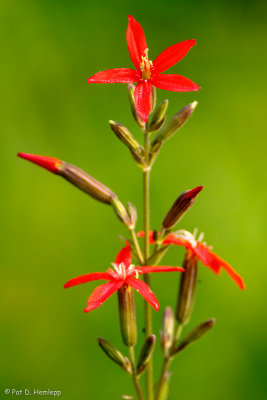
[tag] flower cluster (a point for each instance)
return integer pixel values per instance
(124, 276)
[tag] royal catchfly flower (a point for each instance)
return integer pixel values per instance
(199, 250)
(124, 273)
(148, 73)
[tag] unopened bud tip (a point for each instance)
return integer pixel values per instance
(49, 163)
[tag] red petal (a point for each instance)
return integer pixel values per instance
(88, 278)
(142, 99)
(102, 293)
(172, 239)
(136, 41)
(124, 256)
(173, 82)
(191, 194)
(150, 236)
(207, 258)
(49, 163)
(172, 55)
(145, 291)
(159, 268)
(116, 75)
(211, 260)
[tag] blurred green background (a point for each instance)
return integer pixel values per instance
(52, 232)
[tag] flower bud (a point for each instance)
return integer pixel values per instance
(74, 175)
(140, 160)
(114, 354)
(127, 315)
(121, 211)
(158, 117)
(175, 123)
(126, 137)
(187, 289)
(139, 120)
(86, 183)
(179, 207)
(146, 353)
(167, 332)
(132, 212)
(49, 163)
(195, 334)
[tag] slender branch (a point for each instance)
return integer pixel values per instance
(177, 335)
(137, 246)
(135, 378)
(168, 360)
(146, 214)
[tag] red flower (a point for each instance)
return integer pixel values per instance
(124, 273)
(146, 72)
(201, 251)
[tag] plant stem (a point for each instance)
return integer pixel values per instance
(148, 315)
(168, 359)
(136, 246)
(135, 378)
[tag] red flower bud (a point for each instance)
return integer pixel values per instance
(49, 163)
(179, 207)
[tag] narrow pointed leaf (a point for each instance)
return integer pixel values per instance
(195, 335)
(114, 354)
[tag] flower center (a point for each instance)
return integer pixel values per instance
(189, 237)
(121, 271)
(145, 66)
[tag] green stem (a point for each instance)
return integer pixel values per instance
(137, 247)
(148, 315)
(177, 335)
(135, 378)
(168, 360)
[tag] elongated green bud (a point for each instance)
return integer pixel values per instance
(115, 355)
(126, 137)
(86, 183)
(132, 212)
(139, 120)
(121, 211)
(179, 207)
(167, 332)
(158, 117)
(174, 124)
(146, 353)
(187, 289)
(195, 334)
(127, 315)
(140, 160)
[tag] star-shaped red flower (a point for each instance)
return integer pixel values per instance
(147, 73)
(124, 273)
(201, 251)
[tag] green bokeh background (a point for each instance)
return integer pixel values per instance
(52, 232)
